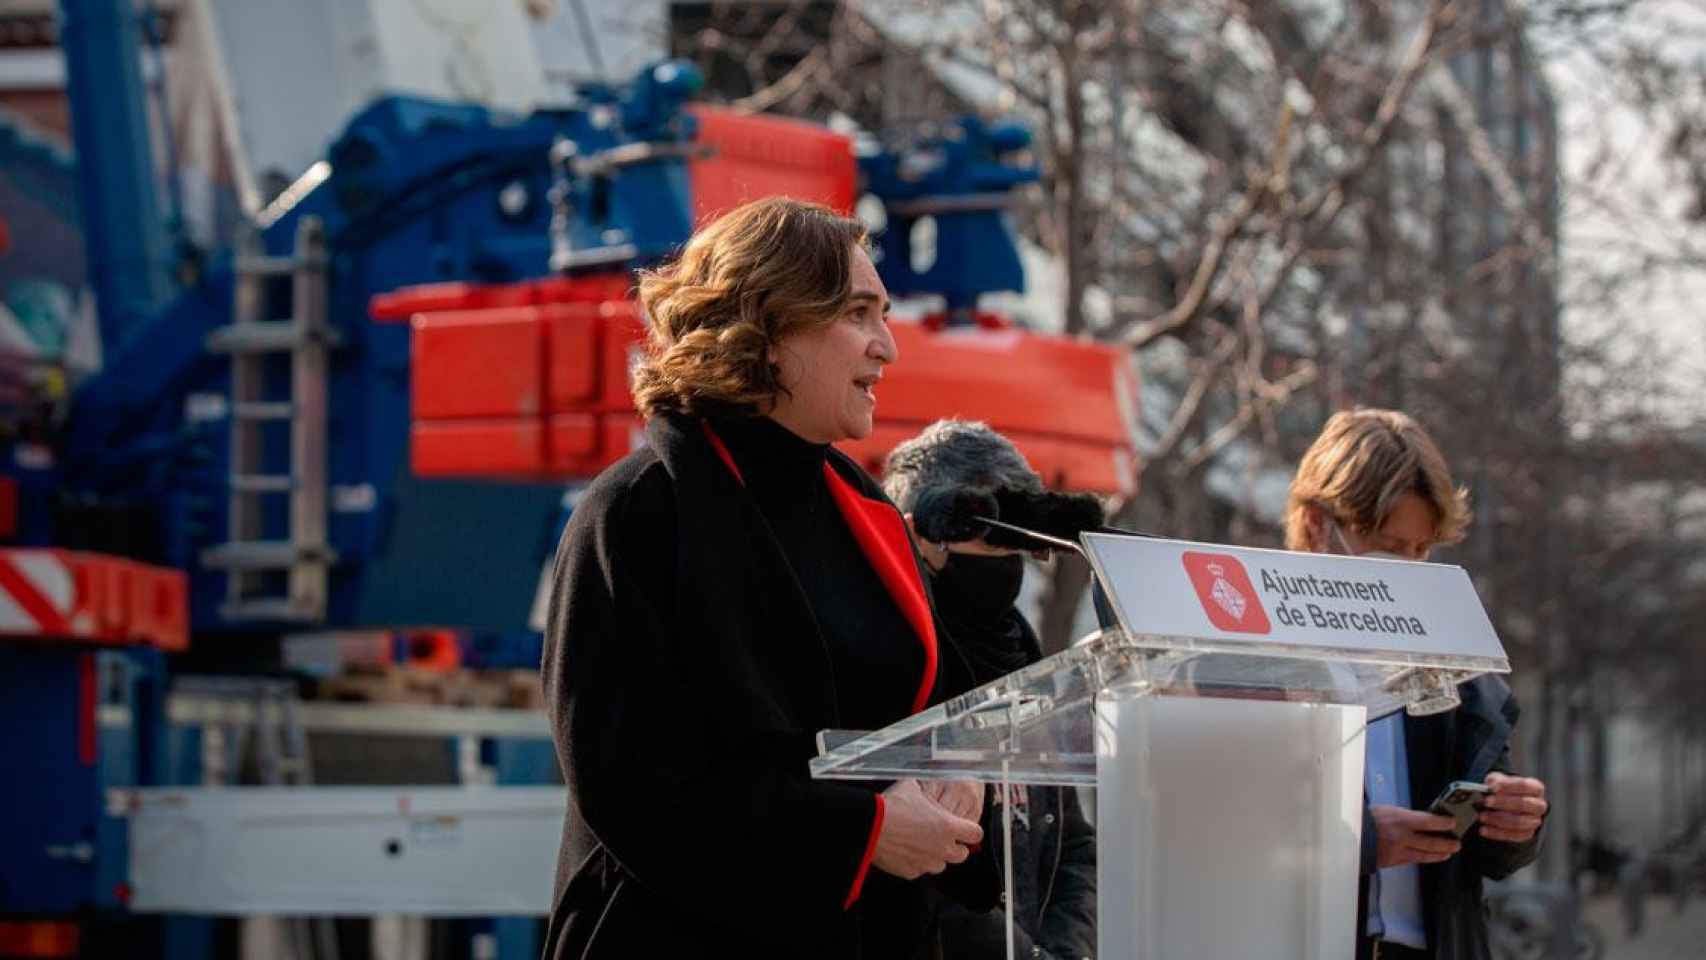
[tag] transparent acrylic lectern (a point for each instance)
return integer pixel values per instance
(1221, 723)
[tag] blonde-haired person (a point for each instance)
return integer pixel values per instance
(1374, 483)
(724, 593)
(1367, 469)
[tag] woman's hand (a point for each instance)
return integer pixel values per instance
(919, 835)
(962, 798)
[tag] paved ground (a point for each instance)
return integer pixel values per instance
(1667, 935)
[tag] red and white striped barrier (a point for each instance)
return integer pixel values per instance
(92, 598)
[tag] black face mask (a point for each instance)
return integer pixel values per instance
(978, 590)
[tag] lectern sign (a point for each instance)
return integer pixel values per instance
(1193, 591)
(1235, 667)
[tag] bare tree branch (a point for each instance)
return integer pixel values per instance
(1270, 395)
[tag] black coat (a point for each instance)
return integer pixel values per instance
(1054, 861)
(686, 680)
(1462, 744)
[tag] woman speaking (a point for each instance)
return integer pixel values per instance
(722, 594)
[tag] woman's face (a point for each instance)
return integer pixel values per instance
(829, 374)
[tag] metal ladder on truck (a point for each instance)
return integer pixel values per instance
(271, 579)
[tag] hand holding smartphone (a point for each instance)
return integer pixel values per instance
(1457, 801)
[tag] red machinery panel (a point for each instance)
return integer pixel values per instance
(478, 363)
(624, 343)
(542, 391)
(522, 392)
(1022, 383)
(755, 156)
(572, 333)
(159, 607)
(496, 447)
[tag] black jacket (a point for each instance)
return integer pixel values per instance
(686, 680)
(1462, 744)
(1054, 866)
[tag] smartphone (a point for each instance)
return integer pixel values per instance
(1457, 801)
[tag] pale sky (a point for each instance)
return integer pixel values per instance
(1621, 197)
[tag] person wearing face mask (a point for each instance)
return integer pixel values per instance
(1374, 484)
(723, 593)
(943, 480)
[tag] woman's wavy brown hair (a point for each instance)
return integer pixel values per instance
(751, 277)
